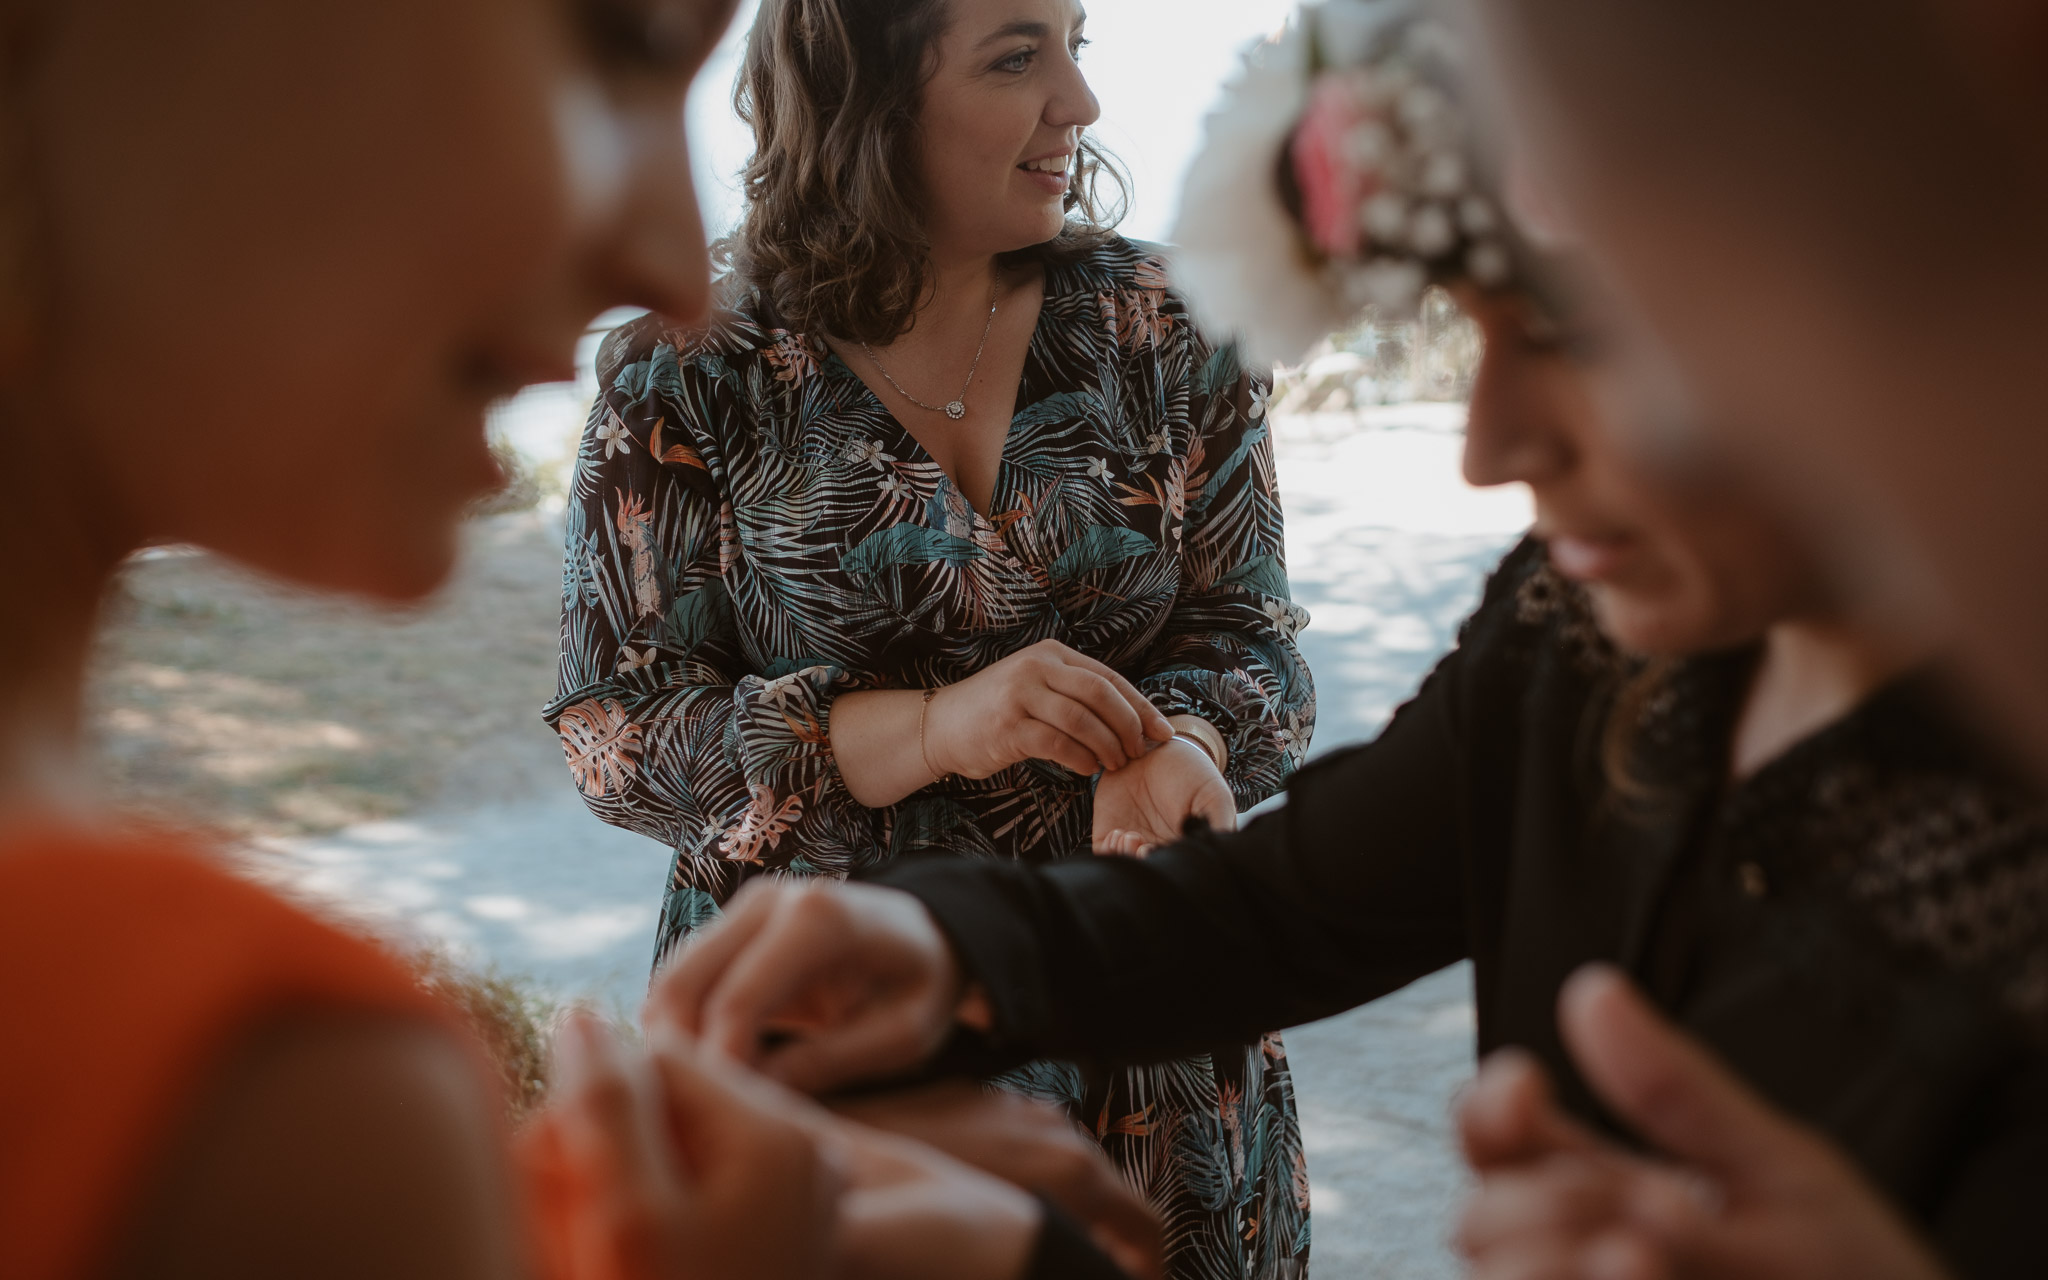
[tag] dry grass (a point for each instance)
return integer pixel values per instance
(510, 1018)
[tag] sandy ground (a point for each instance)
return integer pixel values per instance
(395, 764)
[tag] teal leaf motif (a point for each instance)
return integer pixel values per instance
(1262, 574)
(697, 619)
(659, 374)
(691, 909)
(1100, 547)
(1059, 408)
(1247, 442)
(1222, 370)
(902, 544)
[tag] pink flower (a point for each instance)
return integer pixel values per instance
(1327, 168)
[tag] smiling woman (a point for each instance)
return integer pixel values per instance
(950, 535)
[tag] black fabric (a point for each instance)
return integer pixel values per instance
(1860, 929)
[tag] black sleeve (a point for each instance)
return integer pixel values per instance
(1350, 891)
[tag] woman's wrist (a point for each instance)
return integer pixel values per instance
(1204, 735)
(875, 744)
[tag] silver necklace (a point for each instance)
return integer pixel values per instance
(955, 408)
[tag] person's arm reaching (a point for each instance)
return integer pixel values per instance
(1353, 889)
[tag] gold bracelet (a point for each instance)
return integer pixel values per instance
(924, 711)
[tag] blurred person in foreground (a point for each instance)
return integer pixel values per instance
(1665, 741)
(1879, 173)
(265, 267)
(949, 534)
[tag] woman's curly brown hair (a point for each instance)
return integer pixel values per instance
(833, 233)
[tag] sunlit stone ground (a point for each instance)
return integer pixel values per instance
(1387, 549)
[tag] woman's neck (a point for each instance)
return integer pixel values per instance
(1813, 672)
(958, 300)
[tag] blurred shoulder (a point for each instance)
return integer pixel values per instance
(736, 328)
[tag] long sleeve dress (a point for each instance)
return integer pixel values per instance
(751, 533)
(1860, 928)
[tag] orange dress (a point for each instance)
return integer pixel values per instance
(129, 968)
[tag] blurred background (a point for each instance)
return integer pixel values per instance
(394, 766)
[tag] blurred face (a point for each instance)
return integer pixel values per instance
(1673, 567)
(295, 251)
(1002, 121)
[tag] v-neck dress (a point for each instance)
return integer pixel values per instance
(751, 532)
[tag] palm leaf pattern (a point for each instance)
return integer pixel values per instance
(750, 532)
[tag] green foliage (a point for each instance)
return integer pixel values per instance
(903, 544)
(1100, 547)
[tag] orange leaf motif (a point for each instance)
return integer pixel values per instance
(1136, 1125)
(763, 823)
(599, 742)
(681, 454)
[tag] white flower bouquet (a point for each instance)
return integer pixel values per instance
(1340, 173)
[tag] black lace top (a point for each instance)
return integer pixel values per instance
(1860, 929)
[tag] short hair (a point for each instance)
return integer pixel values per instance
(833, 233)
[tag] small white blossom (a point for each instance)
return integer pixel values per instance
(868, 453)
(1488, 263)
(1443, 174)
(778, 690)
(1156, 442)
(1476, 216)
(891, 486)
(1257, 408)
(612, 433)
(1098, 468)
(1431, 232)
(1422, 107)
(1370, 144)
(1287, 619)
(1385, 217)
(1292, 740)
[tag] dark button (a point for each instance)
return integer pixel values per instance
(1755, 884)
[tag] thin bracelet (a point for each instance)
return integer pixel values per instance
(1198, 745)
(1204, 735)
(924, 711)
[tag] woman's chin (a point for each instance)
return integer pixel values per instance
(1653, 628)
(383, 566)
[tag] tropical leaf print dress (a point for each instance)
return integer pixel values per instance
(751, 533)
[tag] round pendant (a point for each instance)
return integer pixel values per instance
(956, 411)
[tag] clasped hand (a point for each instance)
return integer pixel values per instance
(1047, 702)
(648, 1166)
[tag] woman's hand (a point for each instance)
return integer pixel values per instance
(817, 984)
(1033, 1145)
(1046, 702)
(1147, 802)
(649, 1167)
(914, 1213)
